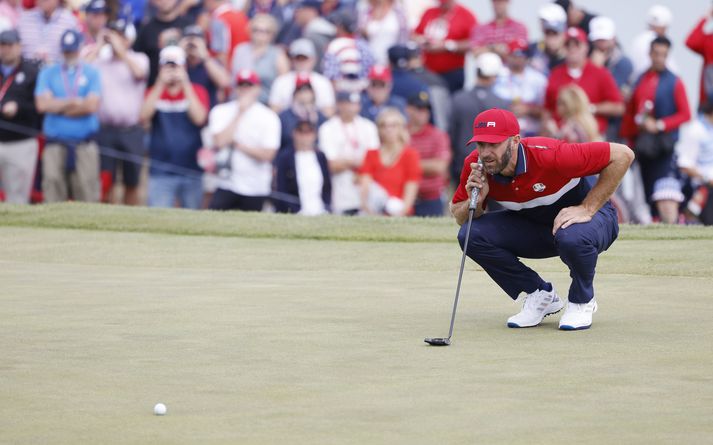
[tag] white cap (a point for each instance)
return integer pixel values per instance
(553, 16)
(489, 64)
(172, 54)
(659, 15)
(602, 28)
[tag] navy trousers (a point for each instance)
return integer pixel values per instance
(498, 240)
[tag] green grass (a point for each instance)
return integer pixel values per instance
(261, 329)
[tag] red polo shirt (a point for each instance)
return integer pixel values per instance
(456, 24)
(596, 81)
(702, 44)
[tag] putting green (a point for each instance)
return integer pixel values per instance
(302, 341)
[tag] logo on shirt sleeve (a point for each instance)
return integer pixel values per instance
(539, 187)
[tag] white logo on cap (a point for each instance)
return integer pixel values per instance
(539, 187)
(68, 38)
(491, 124)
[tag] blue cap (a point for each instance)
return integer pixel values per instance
(71, 41)
(9, 36)
(309, 4)
(97, 7)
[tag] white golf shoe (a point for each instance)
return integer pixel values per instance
(578, 316)
(537, 306)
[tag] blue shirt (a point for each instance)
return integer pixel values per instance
(79, 81)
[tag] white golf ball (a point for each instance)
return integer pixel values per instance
(159, 409)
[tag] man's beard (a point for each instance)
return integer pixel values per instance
(500, 164)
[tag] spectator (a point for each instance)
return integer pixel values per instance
(309, 24)
(10, 10)
(204, 69)
(260, 54)
(41, 29)
(302, 172)
(96, 16)
(383, 23)
(123, 84)
(495, 36)
(378, 94)
(599, 85)
(176, 110)
(18, 149)
(147, 41)
(281, 10)
(434, 149)
(250, 133)
(524, 87)
(228, 29)
(304, 58)
(303, 108)
(389, 176)
(657, 108)
(406, 84)
(344, 139)
(444, 33)
(550, 52)
(69, 93)
(658, 21)
(606, 53)
(700, 41)
(467, 104)
(346, 47)
(577, 122)
(576, 16)
(695, 159)
(410, 56)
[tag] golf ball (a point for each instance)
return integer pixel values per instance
(159, 409)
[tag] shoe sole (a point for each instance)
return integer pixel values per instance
(517, 326)
(574, 328)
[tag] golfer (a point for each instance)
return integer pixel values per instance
(551, 209)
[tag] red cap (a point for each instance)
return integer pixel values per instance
(380, 72)
(302, 79)
(518, 46)
(247, 76)
(576, 34)
(494, 126)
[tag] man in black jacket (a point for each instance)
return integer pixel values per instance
(19, 120)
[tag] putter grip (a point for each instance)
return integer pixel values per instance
(475, 192)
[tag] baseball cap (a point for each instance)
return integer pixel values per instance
(553, 17)
(380, 73)
(344, 18)
(399, 55)
(70, 41)
(193, 31)
(420, 100)
(602, 28)
(494, 126)
(519, 47)
(247, 76)
(659, 15)
(574, 33)
(489, 64)
(97, 7)
(118, 25)
(302, 80)
(172, 54)
(303, 47)
(347, 96)
(9, 36)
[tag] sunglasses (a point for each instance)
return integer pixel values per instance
(245, 84)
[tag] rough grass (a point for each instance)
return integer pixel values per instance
(250, 337)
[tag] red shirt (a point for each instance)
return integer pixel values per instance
(493, 33)
(596, 81)
(432, 143)
(646, 91)
(701, 43)
(456, 24)
(235, 30)
(549, 176)
(394, 177)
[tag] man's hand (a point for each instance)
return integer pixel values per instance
(477, 179)
(9, 109)
(650, 125)
(571, 215)
(117, 44)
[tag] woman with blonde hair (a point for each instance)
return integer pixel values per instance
(389, 175)
(578, 123)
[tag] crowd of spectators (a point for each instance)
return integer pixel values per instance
(332, 106)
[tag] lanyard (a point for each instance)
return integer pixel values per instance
(351, 136)
(73, 90)
(6, 84)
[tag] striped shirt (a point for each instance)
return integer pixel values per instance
(40, 37)
(431, 143)
(494, 33)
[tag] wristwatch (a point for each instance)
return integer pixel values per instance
(660, 125)
(450, 45)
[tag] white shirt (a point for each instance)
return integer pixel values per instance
(309, 182)
(695, 147)
(382, 34)
(283, 88)
(527, 87)
(259, 127)
(340, 141)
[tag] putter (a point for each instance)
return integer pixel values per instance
(471, 210)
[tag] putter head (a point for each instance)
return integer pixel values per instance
(438, 341)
